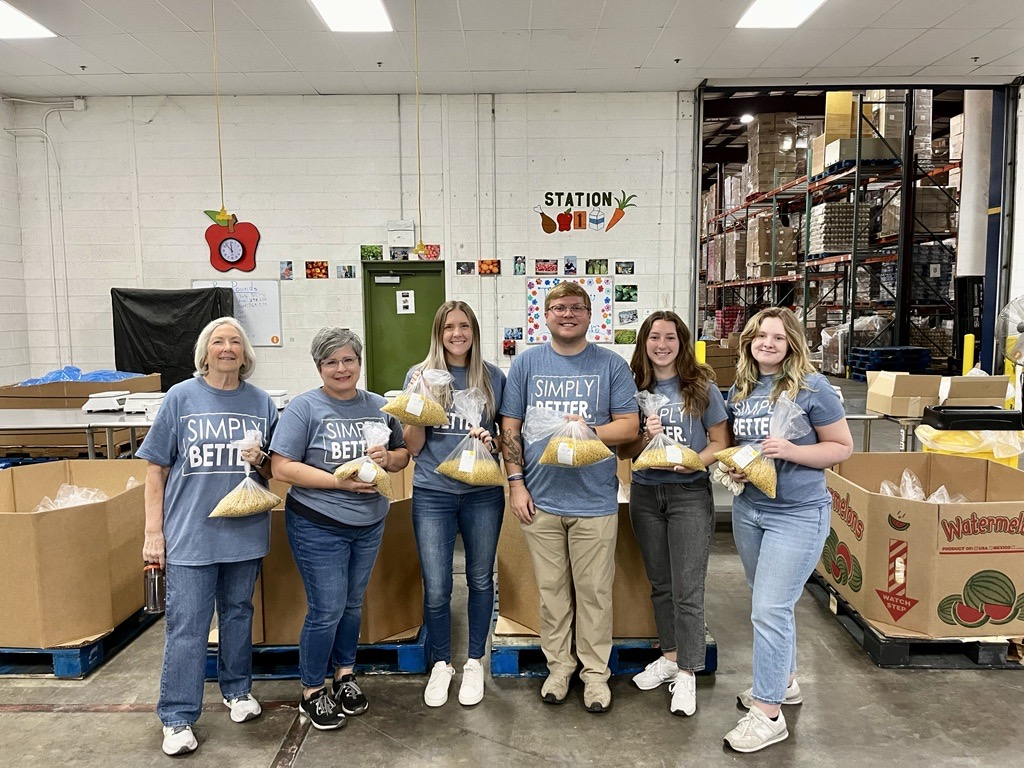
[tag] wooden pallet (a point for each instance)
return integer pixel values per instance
(913, 652)
(520, 655)
(281, 662)
(73, 662)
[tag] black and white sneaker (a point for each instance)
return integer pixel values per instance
(322, 711)
(350, 696)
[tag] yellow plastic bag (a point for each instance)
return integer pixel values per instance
(248, 497)
(663, 452)
(366, 469)
(417, 405)
(471, 462)
(570, 443)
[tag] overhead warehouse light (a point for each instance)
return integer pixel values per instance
(15, 25)
(778, 14)
(354, 15)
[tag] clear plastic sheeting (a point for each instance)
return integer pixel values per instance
(71, 373)
(70, 496)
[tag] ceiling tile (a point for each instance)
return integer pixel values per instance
(140, 15)
(282, 82)
(747, 47)
(506, 15)
(364, 51)
(808, 47)
(172, 84)
(446, 82)
(579, 14)
(779, 74)
(70, 17)
(64, 85)
(118, 85)
(890, 72)
(701, 14)
(230, 83)
(608, 80)
(1002, 70)
(691, 46)
(726, 73)
(844, 14)
(439, 51)
(279, 16)
(553, 49)
(988, 48)
(630, 14)
(389, 82)
(615, 48)
(313, 51)
(187, 51)
(336, 82)
(919, 13)
(829, 72)
(504, 81)
(19, 63)
(492, 51)
(123, 52)
(18, 88)
(195, 14)
(984, 14)
(871, 46)
(63, 54)
(947, 71)
(251, 52)
(929, 47)
(557, 80)
(1015, 59)
(664, 79)
(434, 15)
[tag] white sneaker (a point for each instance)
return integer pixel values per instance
(756, 730)
(661, 670)
(436, 693)
(472, 689)
(179, 740)
(684, 695)
(793, 696)
(243, 708)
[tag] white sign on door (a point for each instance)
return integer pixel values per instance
(406, 302)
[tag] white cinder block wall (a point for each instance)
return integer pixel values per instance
(319, 176)
(14, 354)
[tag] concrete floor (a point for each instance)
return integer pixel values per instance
(854, 713)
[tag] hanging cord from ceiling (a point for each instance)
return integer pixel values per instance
(216, 102)
(420, 248)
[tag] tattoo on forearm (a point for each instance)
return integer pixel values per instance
(512, 442)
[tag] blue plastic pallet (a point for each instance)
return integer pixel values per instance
(521, 656)
(74, 663)
(281, 662)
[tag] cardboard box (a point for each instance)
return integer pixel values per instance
(818, 155)
(842, 150)
(71, 394)
(942, 570)
(74, 573)
(973, 390)
(896, 393)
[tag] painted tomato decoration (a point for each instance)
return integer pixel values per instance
(232, 242)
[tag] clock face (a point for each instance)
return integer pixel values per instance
(231, 250)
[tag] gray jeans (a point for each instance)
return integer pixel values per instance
(673, 524)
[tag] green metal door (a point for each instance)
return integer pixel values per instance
(397, 324)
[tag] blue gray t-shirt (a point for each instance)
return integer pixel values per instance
(595, 384)
(683, 428)
(325, 433)
(797, 486)
(441, 441)
(191, 434)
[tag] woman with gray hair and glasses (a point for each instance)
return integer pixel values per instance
(334, 526)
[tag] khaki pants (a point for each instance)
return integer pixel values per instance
(574, 564)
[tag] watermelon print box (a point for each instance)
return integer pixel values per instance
(918, 568)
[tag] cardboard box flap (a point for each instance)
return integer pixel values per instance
(901, 384)
(973, 387)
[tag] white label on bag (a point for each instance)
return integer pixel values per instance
(565, 454)
(367, 471)
(415, 404)
(744, 456)
(467, 460)
(673, 454)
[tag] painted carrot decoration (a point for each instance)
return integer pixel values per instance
(623, 203)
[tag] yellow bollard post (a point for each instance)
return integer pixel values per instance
(700, 350)
(968, 353)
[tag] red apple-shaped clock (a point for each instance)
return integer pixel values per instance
(232, 242)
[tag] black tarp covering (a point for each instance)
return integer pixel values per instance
(156, 331)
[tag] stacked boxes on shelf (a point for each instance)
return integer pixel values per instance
(932, 267)
(734, 253)
(729, 320)
(768, 242)
(831, 228)
(938, 340)
(707, 207)
(840, 116)
(733, 192)
(712, 249)
(934, 212)
(771, 151)
(887, 114)
(956, 147)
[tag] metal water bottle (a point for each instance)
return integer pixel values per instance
(156, 588)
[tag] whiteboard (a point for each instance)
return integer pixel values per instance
(257, 307)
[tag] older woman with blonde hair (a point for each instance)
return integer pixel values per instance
(210, 562)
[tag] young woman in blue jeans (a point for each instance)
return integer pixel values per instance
(334, 526)
(442, 507)
(779, 540)
(672, 511)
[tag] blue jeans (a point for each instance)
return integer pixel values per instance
(436, 517)
(335, 564)
(778, 551)
(192, 591)
(673, 524)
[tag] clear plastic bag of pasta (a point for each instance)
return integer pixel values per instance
(418, 405)
(366, 469)
(570, 443)
(471, 462)
(789, 422)
(248, 497)
(663, 452)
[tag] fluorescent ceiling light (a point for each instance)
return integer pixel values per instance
(776, 14)
(354, 15)
(16, 25)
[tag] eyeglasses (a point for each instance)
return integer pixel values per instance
(348, 362)
(576, 309)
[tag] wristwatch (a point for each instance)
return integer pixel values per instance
(262, 461)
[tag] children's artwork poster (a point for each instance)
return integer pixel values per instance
(399, 254)
(623, 267)
(371, 252)
(317, 270)
(598, 288)
(465, 268)
(570, 265)
(287, 271)
(519, 265)
(628, 316)
(545, 266)
(597, 266)
(346, 271)
(625, 293)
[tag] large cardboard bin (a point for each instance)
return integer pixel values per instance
(70, 394)
(919, 568)
(896, 393)
(69, 574)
